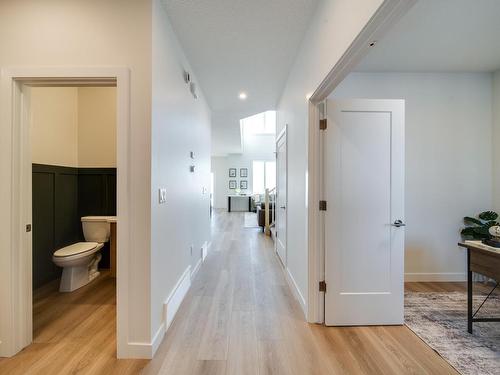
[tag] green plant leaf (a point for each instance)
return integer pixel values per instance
(491, 223)
(488, 215)
(472, 220)
(467, 232)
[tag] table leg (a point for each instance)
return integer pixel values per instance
(469, 294)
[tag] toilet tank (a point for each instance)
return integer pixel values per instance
(96, 228)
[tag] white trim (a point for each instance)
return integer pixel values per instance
(386, 16)
(141, 350)
(438, 276)
(315, 307)
(170, 308)
(197, 266)
(15, 252)
(175, 298)
(295, 290)
(204, 250)
(281, 133)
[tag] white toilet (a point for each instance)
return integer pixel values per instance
(80, 260)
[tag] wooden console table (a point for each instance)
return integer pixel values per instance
(485, 260)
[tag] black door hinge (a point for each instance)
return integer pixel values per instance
(322, 205)
(323, 124)
(322, 286)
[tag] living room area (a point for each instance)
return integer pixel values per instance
(244, 171)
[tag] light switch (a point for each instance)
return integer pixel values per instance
(162, 195)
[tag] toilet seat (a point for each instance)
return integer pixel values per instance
(79, 248)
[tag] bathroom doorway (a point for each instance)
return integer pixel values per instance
(72, 136)
(64, 194)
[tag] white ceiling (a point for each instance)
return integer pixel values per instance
(239, 45)
(441, 35)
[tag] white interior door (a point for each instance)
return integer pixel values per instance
(364, 189)
(281, 189)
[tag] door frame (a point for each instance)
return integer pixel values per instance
(282, 134)
(15, 195)
(386, 16)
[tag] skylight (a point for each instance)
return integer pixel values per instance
(261, 123)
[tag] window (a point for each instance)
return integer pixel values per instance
(264, 176)
(261, 123)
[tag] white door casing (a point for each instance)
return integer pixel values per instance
(281, 196)
(364, 189)
(15, 162)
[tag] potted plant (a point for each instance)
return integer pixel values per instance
(479, 228)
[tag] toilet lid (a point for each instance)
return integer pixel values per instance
(76, 248)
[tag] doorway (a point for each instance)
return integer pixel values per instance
(16, 326)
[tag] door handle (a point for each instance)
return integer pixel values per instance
(398, 223)
(283, 207)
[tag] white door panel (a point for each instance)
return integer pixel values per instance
(364, 188)
(281, 198)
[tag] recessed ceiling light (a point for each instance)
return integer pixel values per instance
(242, 95)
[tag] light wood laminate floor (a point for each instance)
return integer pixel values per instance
(73, 333)
(239, 317)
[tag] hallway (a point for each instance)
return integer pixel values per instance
(240, 317)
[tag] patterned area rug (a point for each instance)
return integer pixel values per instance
(440, 319)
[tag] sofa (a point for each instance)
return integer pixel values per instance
(261, 214)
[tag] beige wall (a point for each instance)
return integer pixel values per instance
(90, 33)
(54, 126)
(97, 127)
(73, 126)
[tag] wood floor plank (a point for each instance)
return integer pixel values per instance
(239, 317)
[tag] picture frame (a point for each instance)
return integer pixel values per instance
(232, 184)
(232, 172)
(243, 184)
(243, 172)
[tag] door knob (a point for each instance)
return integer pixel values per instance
(398, 223)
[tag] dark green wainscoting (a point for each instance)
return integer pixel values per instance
(61, 196)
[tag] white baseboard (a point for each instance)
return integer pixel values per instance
(196, 268)
(296, 291)
(204, 249)
(439, 277)
(175, 298)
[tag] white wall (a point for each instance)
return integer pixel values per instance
(73, 126)
(91, 33)
(180, 124)
(54, 125)
(448, 160)
(496, 141)
(256, 147)
(333, 28)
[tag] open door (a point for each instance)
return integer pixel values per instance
(364, 218)
(281, 190)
